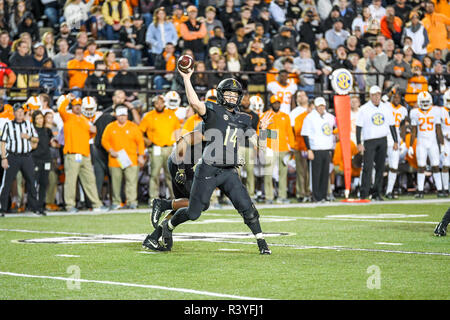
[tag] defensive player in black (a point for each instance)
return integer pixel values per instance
(181, 164)
(225, 127)
(441, 228)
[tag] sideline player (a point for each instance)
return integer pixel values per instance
(400, 113)
(441, 228)
(224, 127)
(426, 126)
(181, 164)
(445, 159)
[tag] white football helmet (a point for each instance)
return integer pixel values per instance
(447, 98)
(424, 100)
(172, 100)
(211, 94)
(34, 101)
(88, 107)
(256, 104)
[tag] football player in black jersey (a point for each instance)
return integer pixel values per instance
(225, 127)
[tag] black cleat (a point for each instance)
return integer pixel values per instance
(166, 239)
(156, 212)
(263, 248)
(419, 195)
(441, 194)
(151, 244)
(389, 196)
(440, 230)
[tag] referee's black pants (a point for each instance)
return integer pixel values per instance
(374, 152)
(320, 174)
(24, 163)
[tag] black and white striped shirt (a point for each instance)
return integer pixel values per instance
(12, 132)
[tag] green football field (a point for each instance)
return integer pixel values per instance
(332, 251)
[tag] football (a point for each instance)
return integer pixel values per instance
(185, 63)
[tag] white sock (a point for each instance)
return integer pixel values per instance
(259, 236)
(445, 177)
(392, 176)
(437, 180)
(420, 181)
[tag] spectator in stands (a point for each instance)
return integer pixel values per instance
(218, 39)
(193, 32)
(341, 59)
(437, 25)
(124, 135)
(82, 41)
(438, 83)
(111, 64)
(334, 16)
(22, 59)
(78, 77)
(228, 15)
(62, 57)
(376, 63)
(49, 43)
(77, 156)
(402, 10)
(372, 33)
(260, 34)
(98, 86)
(277, 150)
(166, 61)
(127, 81)
(391, 26)
(161, 139)
(416, 84)
(270, 25)
(247, 20)
(346, 13)
(5, 46)
(39, 54)
(337, 35)
(76, 14)
(362, 21)
(213, 58)
(359, 82)
(211, 21)
(283, 40)
(200, 79)
(418, 34)
(114, 11)
(51, 11)
(309, 26)
(276, 9)
(240, 39)
(353, 46)
(294, 11)
(147, 7)
(64, 33)
(132, 36)
(235, 62)
(306, 68)
(427, 66)
(17, 13)
(160, 32)
(408, 55)
(377, 11)
(49, 79)
(91, 54)
(257, 60)
(28, 24)
(397, 72)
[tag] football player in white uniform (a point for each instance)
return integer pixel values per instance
(257, 104)
(426, 126)
(400, 113)
(283, 89)
(445, 158)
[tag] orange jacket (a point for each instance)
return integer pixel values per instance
(160, 127)
(127, 137)
(76, 131)
(178, 22)
(339, 162)
(191, 123)
(436, 26)
(415, 85)
(192, 35)
(77, 78)
(299, 141)
(285, 136)
(385, 29)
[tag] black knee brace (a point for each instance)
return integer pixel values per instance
(250, 216)
(435, 169)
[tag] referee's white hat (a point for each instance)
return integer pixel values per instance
(319, 102)
(374, 89)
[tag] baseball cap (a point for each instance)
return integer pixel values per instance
(214, 50)
(18, 106)
(274, 99)
(76, 101)
(398, 50)
(374, 89)
(210, 8)
(121, 110)
(319, 101)
(38, 44)
(416, 63)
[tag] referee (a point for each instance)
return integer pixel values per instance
(16, 139)
(318, 136)
(374, 121)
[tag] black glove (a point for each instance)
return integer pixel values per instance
(180, 176)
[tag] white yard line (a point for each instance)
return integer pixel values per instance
(134, 285)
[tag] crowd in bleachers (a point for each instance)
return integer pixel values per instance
(124, 53)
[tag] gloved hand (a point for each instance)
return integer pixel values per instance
(411, 151)
(180, 176)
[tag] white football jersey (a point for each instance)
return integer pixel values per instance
(399, 112)
(283, 92)
(426, 122)
(445, 122)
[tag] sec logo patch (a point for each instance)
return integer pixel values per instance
(326, 129)
(378, 119)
